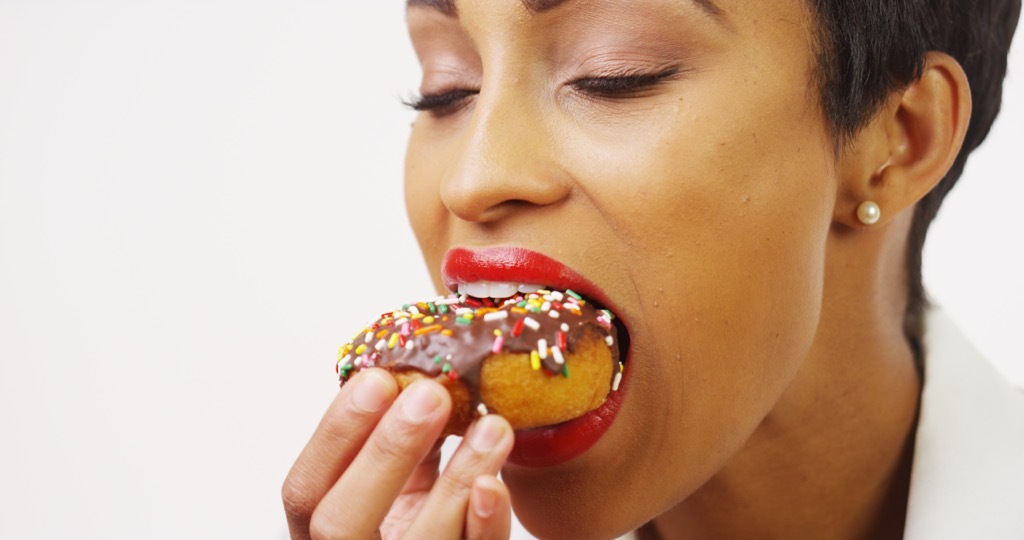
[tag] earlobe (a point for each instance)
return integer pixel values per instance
(909, 146)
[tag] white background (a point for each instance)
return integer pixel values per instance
(200, 199)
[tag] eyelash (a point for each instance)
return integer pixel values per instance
(621, 85)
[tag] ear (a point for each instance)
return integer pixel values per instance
(909, 145)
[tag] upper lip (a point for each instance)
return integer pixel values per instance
(515, 264)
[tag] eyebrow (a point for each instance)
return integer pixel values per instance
(448, 8)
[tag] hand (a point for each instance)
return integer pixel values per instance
(371, 468)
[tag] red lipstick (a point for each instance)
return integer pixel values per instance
(549, 445)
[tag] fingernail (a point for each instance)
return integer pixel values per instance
(487, 433)
(372, 392)
(484, 501)
(419, 402)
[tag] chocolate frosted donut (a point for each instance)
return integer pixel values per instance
(537, 359)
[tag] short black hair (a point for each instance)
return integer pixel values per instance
(868, 49)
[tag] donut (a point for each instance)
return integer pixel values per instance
(537, 359)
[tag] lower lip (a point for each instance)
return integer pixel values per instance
(553, 445)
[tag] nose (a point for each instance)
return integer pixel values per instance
(505, 162)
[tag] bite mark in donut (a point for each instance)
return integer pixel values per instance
(537, 359)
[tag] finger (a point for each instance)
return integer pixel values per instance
(346, 425)
(490, 510)
(357, 503)
(482, 452)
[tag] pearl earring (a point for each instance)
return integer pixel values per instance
(869, 213)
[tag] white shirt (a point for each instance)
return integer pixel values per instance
(967, 479)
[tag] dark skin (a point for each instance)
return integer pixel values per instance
(772, 391)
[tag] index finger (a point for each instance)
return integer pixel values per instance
(343, 430)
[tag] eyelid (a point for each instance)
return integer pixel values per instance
(440, 103)
(624, 81)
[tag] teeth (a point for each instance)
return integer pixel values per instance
(488, 289)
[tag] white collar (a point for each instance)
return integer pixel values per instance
(968, 473)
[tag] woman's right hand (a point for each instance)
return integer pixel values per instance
(371, 468)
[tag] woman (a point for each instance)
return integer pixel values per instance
(749, 184)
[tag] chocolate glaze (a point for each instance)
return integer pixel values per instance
(445, 341)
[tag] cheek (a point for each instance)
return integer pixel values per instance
(725, 219)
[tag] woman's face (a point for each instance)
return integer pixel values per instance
(673, 152)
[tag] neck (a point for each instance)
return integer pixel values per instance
(833, 458)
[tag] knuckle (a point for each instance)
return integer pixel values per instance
(298, 503)
(456, 481)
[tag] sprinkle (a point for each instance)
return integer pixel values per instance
(442, 308)
(609, 340)
(360, 349)
(534, 325)
(446, 368)
(542, 348)
(369, 337)
(557, 353)
(617, 381)
(446, 333)
(565, 371)
(557, 295)
(603, 321)
(402, 340)
(519, 311)
(427, 329)
(410, 345)
(414, 310)
(393, 341)
(542, 292)
(452, 375)
(463, 320)
(463, 311)
(380, 345)
(545, 306)
(346, 359)
(553, 314)
(472, 302)
(405, 330)
(573, 294)
(518, 328)
(432, 307)
(562, 341)
(534, 360)
(447, 301)
(608, 314)
(496, 316)
(437, 359)
(565, 327)
(499, 342)
(428, 320)
(497, 332)
(382, 333)
(482, 409)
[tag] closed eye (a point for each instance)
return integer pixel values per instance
(624, 85)
(441, 104)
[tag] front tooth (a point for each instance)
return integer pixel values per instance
(502, 290)
(479, 289)
(462, 289)
(528, 288)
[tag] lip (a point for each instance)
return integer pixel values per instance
(545, 446)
